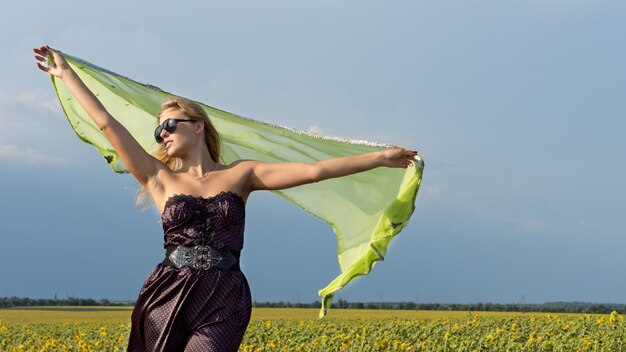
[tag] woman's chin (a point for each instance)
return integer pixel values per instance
(171, 152)
(174, 153)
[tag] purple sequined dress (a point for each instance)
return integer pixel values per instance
(189, 309)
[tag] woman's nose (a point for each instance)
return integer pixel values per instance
(164, 133)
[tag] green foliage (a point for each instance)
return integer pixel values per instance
(471, 332)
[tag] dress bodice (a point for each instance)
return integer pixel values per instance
(217, 221)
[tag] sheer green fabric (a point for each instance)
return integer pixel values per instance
(366, 210)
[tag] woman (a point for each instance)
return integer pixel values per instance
(197, 299)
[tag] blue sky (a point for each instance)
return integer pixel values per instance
(517, 108)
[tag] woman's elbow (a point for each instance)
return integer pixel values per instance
(315, 173)
(105, 122)
(104, 126)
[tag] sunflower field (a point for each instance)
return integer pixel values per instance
(282, 330)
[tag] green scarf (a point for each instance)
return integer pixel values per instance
(366, 210)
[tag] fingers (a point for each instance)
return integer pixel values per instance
(45, 50)
(407, 151)
(401, 157)
(409, 157)
(42, 53)
(52, 52)
(47, 59)
(42, 60)
(42, 67)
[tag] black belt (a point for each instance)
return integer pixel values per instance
(201, 257)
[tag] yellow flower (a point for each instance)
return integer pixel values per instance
(586, 343)
(533, 337)
(474, 321)
(615, 318)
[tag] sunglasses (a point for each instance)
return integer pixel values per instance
(169, 125)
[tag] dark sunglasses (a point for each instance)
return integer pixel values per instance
(169, 125)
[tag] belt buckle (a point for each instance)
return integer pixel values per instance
(198, 257)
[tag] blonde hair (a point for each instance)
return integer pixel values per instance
(191, 110)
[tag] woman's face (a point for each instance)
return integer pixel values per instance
(179, 141)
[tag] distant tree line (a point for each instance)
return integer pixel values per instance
(551, 307)
(13, 301)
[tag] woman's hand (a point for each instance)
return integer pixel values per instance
(397, 157)
(57, 67)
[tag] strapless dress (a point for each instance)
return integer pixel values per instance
(189, 309)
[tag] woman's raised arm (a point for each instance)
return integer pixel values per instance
(140, 164)
(273, 176)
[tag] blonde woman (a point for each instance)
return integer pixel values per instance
(198, 299)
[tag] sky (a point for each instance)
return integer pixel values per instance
(517, 108)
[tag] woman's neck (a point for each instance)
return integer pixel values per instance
(198, 164)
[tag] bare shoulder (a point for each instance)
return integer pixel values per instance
(243, 165)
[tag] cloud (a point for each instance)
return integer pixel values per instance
(316, 129)
(28, 155)
(31, 120)
(527, 225)
(433, 190)
(34, 99)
